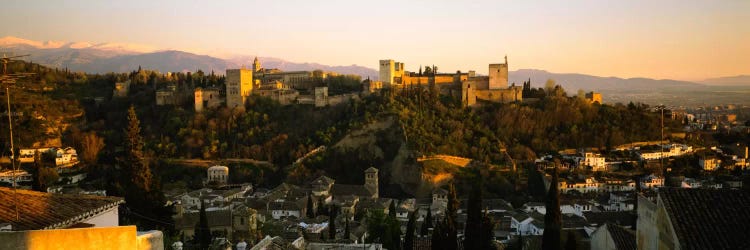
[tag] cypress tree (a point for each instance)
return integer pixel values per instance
(392, 210)
(395, 233)
(410, 228)
(427, 224)
(202, 231)
(487, 234)
(474, 225)
(437, 240)
(332, 213)
(134, 162)
(571, 243)
(321, 208)
(310, 211)
(346, 227)
(553, 217)
(449, 228)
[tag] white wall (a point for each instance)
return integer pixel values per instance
(106, 219)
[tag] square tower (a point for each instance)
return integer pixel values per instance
(371, 181)
(390, 69)
(239, 84)
(499, 75)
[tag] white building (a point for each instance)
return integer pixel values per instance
(218, 174)
(26, 155)
(595, 161)
(652, 182)
(66, 157)
(20, 175)
(709, 163)
(589, 185)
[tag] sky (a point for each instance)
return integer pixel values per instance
(666, 39)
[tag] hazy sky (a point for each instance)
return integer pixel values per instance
(688, 40)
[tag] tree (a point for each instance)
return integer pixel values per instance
(486, 240)
(43, 175)
(332, 213)
(310, 211)
(347, 233)
(549, 86)
(449, 228)
(134, 161)
(553, 217)
(202, 231)
(91, 146)
(427, 224)
(410, 228)
(321, 208)
(395, 233)
(473, 228)
(571, 243)
(392, 209)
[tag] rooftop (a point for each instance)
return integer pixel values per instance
(707, 218)
(623, 238)
(38, 210)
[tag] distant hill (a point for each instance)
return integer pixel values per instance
(119, 57)
(272, 62)
(740, 80)
(573, 82)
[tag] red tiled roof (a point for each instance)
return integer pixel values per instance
(38, 210)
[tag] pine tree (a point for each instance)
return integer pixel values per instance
(553, 217)
(427, 224)
(410, 228)
(310, 211)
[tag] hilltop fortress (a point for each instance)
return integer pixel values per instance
(282, 86)
(470, 87)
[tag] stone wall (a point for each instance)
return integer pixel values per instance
(123, 237)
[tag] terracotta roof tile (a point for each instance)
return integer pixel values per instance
(624, 239)
(708, 218)
(38, 210)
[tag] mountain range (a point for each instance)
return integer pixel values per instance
(120, 57)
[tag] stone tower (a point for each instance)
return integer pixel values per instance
(468, 96)
(390, 69)
(499, 75)
(256, 65)
(198, 99)
(239, 84)
(371, 181)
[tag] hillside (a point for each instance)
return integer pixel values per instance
(740, 80)
(574, 82)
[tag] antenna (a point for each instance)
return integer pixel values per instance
(11, 78)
